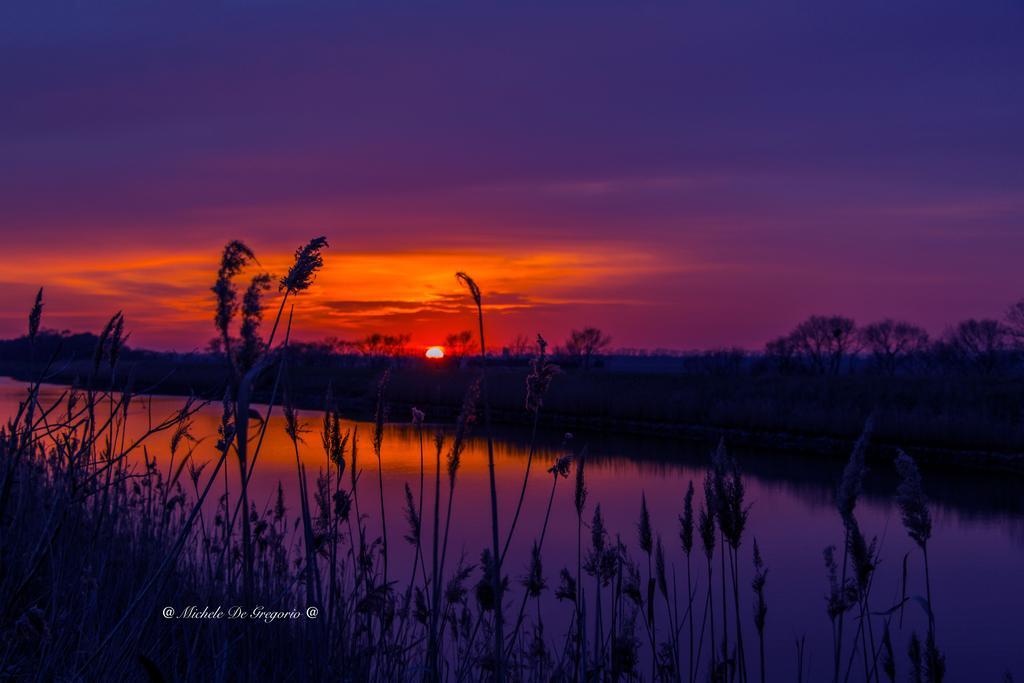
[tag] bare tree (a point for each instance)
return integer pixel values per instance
(520, 346)
(584, 344)
(377, 344)
(372, 344)
(342, 346)
(782, 352)
(1014, 321)
(892, 341)
(980, 343)
(397, 344)
(459, 344)
(825, 341)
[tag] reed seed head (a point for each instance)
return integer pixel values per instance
(279, 508)
(686, 521)
(292, 425)
(117, 339)
(534, 582)
(380, 415)
(644, 527)
(727, 491)
(561, 466)
(308, 260)
(841, 596)
(539, 379)
(333, 439)
(602, 559)
(863, 555)
(234, 258)
(455, 591)
(35, 316)
(182, 432)
(252, 315)
(566, 587)
(485, 596)
(659, 567)
(580, 494)
(412, 517)
(470, 284)
(912, 501)
(706, 526)
(103, 342)
(226, 429)
(342, 504)
(462, 428)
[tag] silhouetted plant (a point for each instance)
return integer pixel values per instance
(760, 604)
(499, 633)
(35, 316)
(686, 540)
(584, 344)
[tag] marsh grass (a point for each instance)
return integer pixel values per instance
(97, 539)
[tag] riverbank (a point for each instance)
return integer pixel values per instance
(962, 422)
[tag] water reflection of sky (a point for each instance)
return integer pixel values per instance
(977, 552)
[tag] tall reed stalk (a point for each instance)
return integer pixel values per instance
(846, 501)
(496, 579)
(760, 606)
(432, 667)
(686, 522)
(917, 521)
(537, 383)
(706, 526)
(378, 440)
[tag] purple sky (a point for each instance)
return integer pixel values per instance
(684, 174)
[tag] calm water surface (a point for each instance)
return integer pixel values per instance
(977, 551)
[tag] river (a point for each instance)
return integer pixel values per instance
(976, 553)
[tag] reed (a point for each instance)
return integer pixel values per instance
(686, 541)
(707, 535)
(918, 523)
(760, 605)
(580, 502)
(537, 383)
(380, 415)
(496, 552)
(849, 490)
(646, 543)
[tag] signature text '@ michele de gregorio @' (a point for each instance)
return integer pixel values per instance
(258, 613)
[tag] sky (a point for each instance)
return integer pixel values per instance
(683, 174)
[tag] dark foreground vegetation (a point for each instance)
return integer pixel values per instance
(98, 538)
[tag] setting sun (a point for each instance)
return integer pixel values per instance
(435, 352)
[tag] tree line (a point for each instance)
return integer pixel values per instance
(818, 345)
(828, 345)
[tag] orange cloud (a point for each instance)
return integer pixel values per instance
(168, 303)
